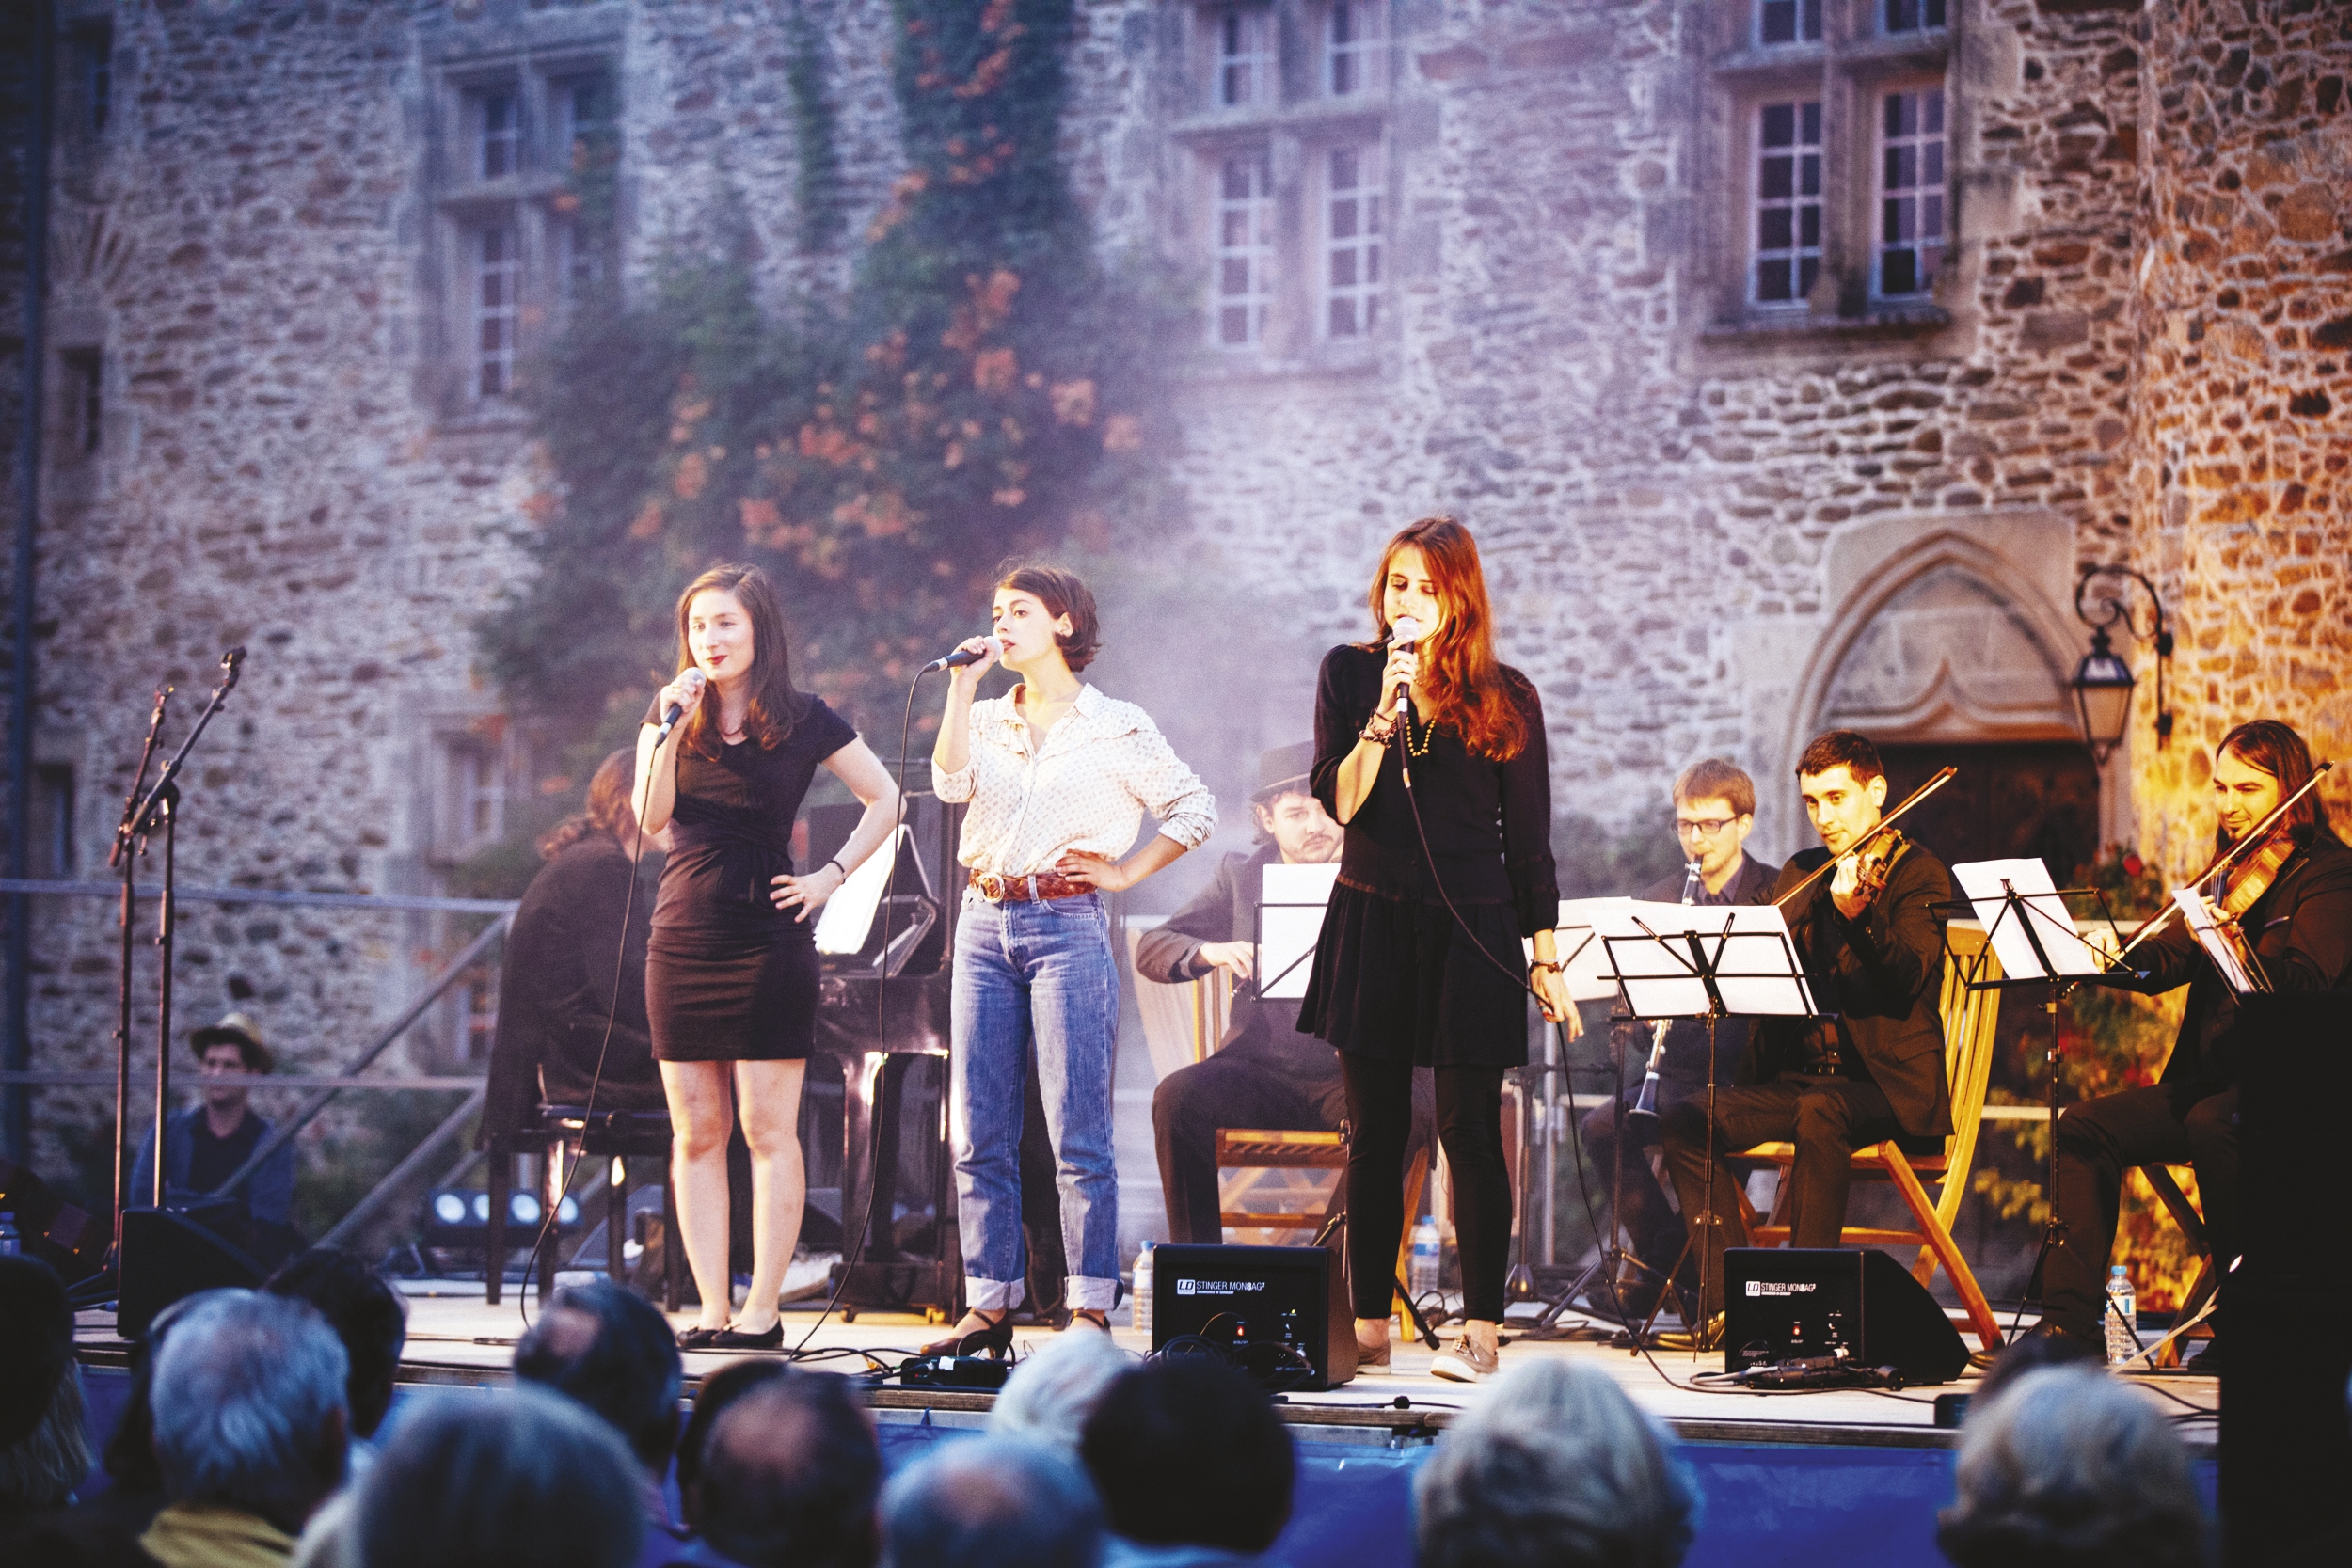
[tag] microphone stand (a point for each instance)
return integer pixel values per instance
(158, 808)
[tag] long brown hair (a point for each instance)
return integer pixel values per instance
(774, 706)
(608, 809)
(1473, 695)
(2269, 747)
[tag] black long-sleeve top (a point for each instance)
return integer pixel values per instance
(556, 986)
(1226, 911)
(2301, 934)
(1488, 822)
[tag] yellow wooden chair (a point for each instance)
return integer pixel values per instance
(2192, 1224)
(1968, 1020)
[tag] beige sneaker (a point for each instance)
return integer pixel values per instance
(1464, 1362)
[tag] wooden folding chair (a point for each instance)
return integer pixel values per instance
(1263, 1148)
(2192, 1226)
(1181, 1024)
(1968, 1020)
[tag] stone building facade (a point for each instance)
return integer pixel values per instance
(1790, 358)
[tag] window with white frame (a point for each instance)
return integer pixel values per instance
(1351, 46)
(473, 794)
(1786, 22)
(1245, 249)
(1352, 238)
(1242, 55)
(498, 271)
(1911, 194)
(582, 110)
(578, 258)
(1788, 202)
(495, 129)
(1910, 16)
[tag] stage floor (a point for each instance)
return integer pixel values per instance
(454, 1338)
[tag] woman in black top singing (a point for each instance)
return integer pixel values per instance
(1400, 979)
(731, 970)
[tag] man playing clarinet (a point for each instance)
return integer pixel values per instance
(2290, 898)
(1870, 1067)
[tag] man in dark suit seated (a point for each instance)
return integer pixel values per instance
(208, 1142)
(1869, 1069)
(1714, 812)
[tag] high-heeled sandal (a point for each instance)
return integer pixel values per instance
(1092, 1316)
(993, 1338)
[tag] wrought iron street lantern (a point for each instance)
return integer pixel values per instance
(2102, 681)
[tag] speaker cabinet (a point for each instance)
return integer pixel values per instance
(1783, 1303)
(165, 1255)
(1251, 1299)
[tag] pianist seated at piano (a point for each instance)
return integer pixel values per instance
(1264, 1073)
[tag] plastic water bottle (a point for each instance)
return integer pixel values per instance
(10, 1245)
(2122, 1318)
(1141, 1293)
(1422, 1277)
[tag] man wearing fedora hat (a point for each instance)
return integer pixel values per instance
(209, 1142)
(1264, 1073)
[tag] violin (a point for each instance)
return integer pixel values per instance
(2264, 851)
(1874, 865)
(1882, 844)
(2241, 886)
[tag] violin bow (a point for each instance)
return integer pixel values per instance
(1863, 843)
(2223, 861)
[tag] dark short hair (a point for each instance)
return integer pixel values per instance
(1062, 592)
(625, 1367)
(1714, 779)
(719, 1391)
(1848, 749)
(513, 1478)
(366, 1314)
(791, 1475)
(1170, 1433)
(996, 1502)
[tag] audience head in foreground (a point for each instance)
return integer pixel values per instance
(1554, 1469)
(994, 1502)
(366, 1314)
(791, 1476)
(716, 1395)
(1051, 1392)
(610, 1348)
(518, 1478)
(251, 1424)
(44, 1452)
(1189, 1453)
(2069, 1467)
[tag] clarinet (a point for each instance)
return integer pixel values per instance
(1646, 1107)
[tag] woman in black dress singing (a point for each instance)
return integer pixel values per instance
(1399, 979)
(731, 970)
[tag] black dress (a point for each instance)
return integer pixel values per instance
(729, 977)
(1394, 976)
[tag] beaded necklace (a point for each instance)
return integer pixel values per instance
(1428, 733)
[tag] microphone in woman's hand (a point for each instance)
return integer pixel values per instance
(1403, 633)
(962, 656)
(691, 686)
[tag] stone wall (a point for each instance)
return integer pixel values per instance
(2242, 473)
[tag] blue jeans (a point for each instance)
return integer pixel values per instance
(1034, 976)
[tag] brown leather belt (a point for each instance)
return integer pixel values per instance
(1021, 890)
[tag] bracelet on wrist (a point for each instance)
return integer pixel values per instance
(1378, 729)
(837, 867)
(1542, 963)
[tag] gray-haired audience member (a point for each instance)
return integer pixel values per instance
(44, 1451)
(791, 1476)
(1053, 1391)
(2068, 1467)
(250, 1425)
(517, 1478)
(992, 1502)
(1191, 1463)
(1554, 1469)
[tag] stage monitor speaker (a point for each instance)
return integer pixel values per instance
(165, 1255)
(1255, 1300)
(65, 1238)
(1780, 1304)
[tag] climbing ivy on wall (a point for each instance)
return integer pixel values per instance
(982, 391)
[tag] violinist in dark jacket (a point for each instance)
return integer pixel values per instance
(2291, 900)
(566, 972)
(1870, 1068)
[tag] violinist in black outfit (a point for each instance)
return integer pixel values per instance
(2293, 902)
(1872, 1066)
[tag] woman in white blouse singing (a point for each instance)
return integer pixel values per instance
(1058, 776)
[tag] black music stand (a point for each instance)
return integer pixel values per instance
(2040, 916)
(1694, 970)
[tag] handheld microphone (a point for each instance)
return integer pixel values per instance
(962, 656)
(1404, 634)
(694, 678)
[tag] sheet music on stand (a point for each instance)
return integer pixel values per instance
(1290, 900)
(2224, 945)
(1677, 961)
(1583, 960)
(2037, 927)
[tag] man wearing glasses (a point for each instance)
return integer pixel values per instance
(1714, 813)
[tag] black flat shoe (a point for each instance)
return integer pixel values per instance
(697, 1338)
(731, 1337)
(993, 1338)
